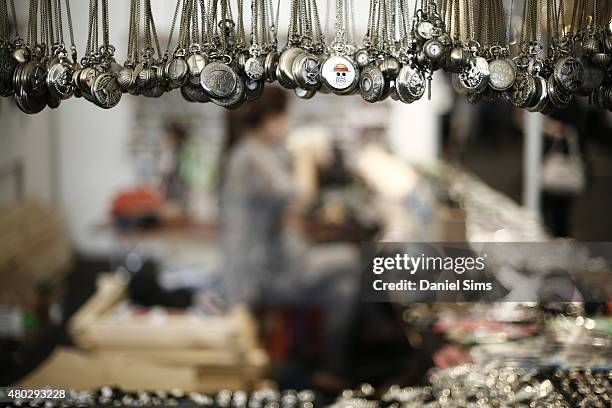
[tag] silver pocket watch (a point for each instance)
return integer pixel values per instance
(196, 62)
(540, 99)
(410, 84)
(218, 80)
(59, 79)
(284, 70)
(340, 74)
(8, 64)
(105, 91)
(474, 77)
(235, 99)
(271, 65)
(307, 71)
(253, 89)
(569, 74)
(502, 74)
(176, 71)
(372, 83)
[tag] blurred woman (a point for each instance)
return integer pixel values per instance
(266, 261)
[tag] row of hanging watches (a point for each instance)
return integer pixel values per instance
(552, 61)
(37, 71)
(540, 68)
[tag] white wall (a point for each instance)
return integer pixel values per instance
(27, 140)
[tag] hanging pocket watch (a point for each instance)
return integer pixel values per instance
(284, 71)
(558, 98)
(254, 68)
(235, 99)
(106, 91)
(424, 29)
(59, 79)
(569, 74)
(146, 78)
(540, 100)
(253, 89)
(218, 80)
(271, 65)
(390, 67)
(502, 74)
(307, 71)
(126, 78)
(410, 84)
(194, 93)
(176, 70)
(456, 59)
(474, 77)
(523, 92)
(434, 50)
(372, 83)
(304, 94)
(196, 62)
(340, 74)
(34, 78)
(362, 57)
(8, 65)
(593, 77)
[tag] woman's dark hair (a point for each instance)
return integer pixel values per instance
(248, 117)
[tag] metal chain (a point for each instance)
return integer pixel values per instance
(153, 28)
(105, 28)
(5, 30)
(318, 29)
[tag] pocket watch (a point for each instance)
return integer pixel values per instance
(235, 99)
(502, 74)
(558, 98)
(434, 50)
(271, 65)
(307, 71)
(126, 78)
(523, 92)
(410, 84)
(8, 65)
(474, 77)
(456, 59)
(593, 77)
(540, 100)
(253, 89)
(284, 70)
(424, 30)
(254, 68)
(176, 71)
(390, 67)
(340, 74)
(218, 80)
(86, 78)
(304, 94)
(194, 93)
(106, 91)
(569, 74)
(59, 80)
(362, 57)
(372, 83)
(146, 78)
(34, 78)
(195, 64)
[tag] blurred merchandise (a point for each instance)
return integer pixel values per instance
(110, 329)
(138, 208)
